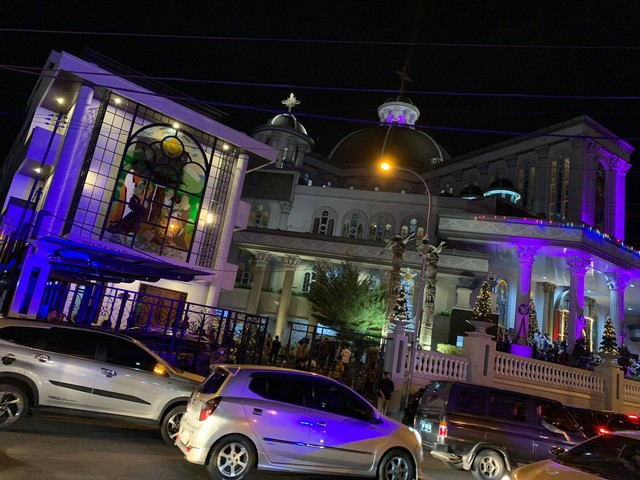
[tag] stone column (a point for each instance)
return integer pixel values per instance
(617, 283)
(540, 203)
(526, 256)
(291, 263)
(615, 201)
(262, 258)
(69, 165)
(484, 176)
(285, 210)
(510, 160)
(426, 329)
(577, 267)
(581, 184)
(547, 318)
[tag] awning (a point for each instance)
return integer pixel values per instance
(86, 258)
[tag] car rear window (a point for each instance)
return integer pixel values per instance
(214, 381)
(27, 336)
(436, 395)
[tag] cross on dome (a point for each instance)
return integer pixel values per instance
(290, 102)
(403, 75)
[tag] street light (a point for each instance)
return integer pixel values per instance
(421, 284)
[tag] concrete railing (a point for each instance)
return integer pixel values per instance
(631, 392)
(433, 365)
(552, 374)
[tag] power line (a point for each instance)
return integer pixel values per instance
(323, 41)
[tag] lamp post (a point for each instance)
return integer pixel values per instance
(422, 282)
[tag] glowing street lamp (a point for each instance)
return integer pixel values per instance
(424, 250)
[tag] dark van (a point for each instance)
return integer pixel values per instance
(490, 431)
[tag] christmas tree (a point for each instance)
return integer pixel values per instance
(609, 343)
(482, 308)
(400, 314)
(533, 322)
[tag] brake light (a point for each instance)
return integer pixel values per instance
(208, 408)
(633, 417)
(443, 428)
(602, 431)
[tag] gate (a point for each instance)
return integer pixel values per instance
(188, 335)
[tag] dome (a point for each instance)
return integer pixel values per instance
(471, 192)
(409, 148)
(287, 120)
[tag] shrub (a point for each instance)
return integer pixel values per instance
(449, 349)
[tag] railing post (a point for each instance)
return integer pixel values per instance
(480, 349)
(613, 384)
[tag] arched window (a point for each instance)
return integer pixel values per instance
(353, 224)
(559, 191)
(324, 221)
(308, 279)
(502, 301)
(381, 228)
(527, 184)
(601, 197)
(259, 216)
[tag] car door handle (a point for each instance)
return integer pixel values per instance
(108, 372)
(42, 357)
(257, 411)
(321, 424)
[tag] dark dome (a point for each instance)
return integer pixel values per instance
(471, 192)
(407, 147)
(287, 120)
(502, 184)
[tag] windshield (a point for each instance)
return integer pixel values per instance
(610, 456)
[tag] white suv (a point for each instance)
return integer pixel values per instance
(248, 417)
(60, 365)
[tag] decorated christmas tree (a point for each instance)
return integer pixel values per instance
(609, 343)
(533, 322)
(482, 308)
(400, 313)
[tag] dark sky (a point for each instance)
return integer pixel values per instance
(339, 57)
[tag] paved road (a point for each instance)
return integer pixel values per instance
(60, 447)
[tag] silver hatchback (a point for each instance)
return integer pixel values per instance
(243, 418)
(62, 366)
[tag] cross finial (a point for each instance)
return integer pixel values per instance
(290, 102)
(403, 75)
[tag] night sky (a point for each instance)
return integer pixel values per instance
(467, 61)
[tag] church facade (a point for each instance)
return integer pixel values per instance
(543, 213)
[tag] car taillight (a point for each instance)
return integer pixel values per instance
(208, 408)
(443, 429)
(633, 418)
(602, 431)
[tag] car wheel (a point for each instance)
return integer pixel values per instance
(232, 458)
(171, 424)
(488, 465)
(396, 465)
(14, 405)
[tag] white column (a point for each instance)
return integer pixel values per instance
(285, 210)
(291, 263)
(228, 225)
(69, 165)
(262, 258)
(616, 202)
(617, 283)
(526, 256)
(577, 267)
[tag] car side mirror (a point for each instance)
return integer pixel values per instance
(557, 451)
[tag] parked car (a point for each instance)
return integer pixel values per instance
(489, 431)
(243, 418)
(412, 406)
(611, 456)
(595, 422)
(57, 365)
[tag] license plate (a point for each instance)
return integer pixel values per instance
(425, 426)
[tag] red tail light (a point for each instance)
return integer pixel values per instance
(443, 428)
(633, 417)
(602, 431)
(208, 408)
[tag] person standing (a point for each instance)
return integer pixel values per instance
(345, 358)
(275, 349)
(385, 391)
